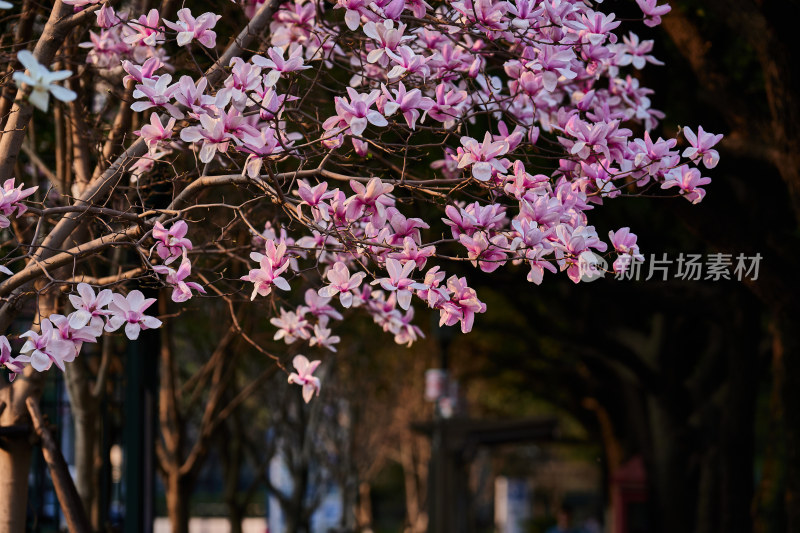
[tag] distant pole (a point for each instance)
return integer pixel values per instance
(438, 494)
(141, 379)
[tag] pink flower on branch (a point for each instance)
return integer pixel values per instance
(43, 349)
(11, 196)
(399, 281)
(271, 266)
(199, 28)
(156, 132)
(171, 243)
(342, 283)
(304, 376)
(701, 146)
(88, 306)
(688, 180)
(482, 158)
(129, 311)
(182, 290)
(653, 12)
(13, 366)
(624, 243)
(355, 113)
(291, 326)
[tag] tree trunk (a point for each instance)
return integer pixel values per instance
(768, 508)
(15, 458)
(738, 424)
(15, 448)
(85, 413)
(364, 507)
(231, 447)
(178, 494)
(787, 356)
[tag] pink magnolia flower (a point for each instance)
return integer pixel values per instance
(482, 157)
(399, 281)
(462, 306)
(244, 78)
(322, 336)
(279, 65)
(355, 8)
(155, 132)
(624, 242)
(535, 257)
(193, 96)
(341, 283)
(488, 253)
(387, 38)
(104, 49)
(701, 146)
(13, 366)
(488, 14)
(139, 73)
(88, 306)
(553, 62)
(405, 60)
(199, 28)
(652, 12)
(267, 143)
(291, 326)
(368, 200)
(634, 52)
(271, 266)
(474, 217)
(129, 310)
(272, 104)
(158, 93)
(171, 243)
(409, 103)
(405, 332)
(213, 134)
(182, 290)
(107, 17)
(521, 182)
(145, 30)
(403, 227)
(318, 306)
(11, 197)
(43, 349)
(689, 181)
(355, 113)
(448, 106)
(77, 336)
(432, 291)
(314, 196)
(412, 252)
(304, 377)
(572, 249)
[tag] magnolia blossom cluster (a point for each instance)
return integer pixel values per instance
(485, 92)
(172, 244)
(59, 338)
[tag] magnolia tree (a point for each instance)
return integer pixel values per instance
(283, 162)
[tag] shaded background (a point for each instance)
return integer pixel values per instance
(689, 390)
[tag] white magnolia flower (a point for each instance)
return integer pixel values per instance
(41, 79)
(6, 5)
